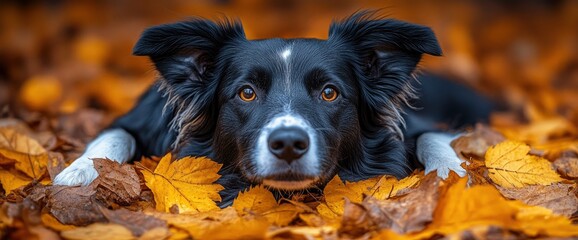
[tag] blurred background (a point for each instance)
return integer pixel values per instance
(73, 58)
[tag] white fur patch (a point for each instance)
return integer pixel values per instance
(435, 153)
(266, 161)
(285, 54)
(289, 185)
(114, 144)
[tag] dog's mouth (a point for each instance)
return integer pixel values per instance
(290, 181)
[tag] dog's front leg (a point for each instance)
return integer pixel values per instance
(114, 144)
(435, 153)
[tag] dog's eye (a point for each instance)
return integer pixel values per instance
(247, 94)
(329, 94)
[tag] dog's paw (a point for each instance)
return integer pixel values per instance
(436, 154)
(80, 172)
(449, 164)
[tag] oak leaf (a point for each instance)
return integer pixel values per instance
(29, 156)
(187, 183)
(509, 165)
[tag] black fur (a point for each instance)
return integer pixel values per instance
(194, 108)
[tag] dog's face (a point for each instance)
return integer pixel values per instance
(291, 113)
(286, 110)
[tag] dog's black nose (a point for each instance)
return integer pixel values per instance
(288, 144)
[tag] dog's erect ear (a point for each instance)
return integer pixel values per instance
(186, 50)
(185, 54)
(387, 52)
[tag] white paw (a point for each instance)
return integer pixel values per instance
(443, 170)
(80, 172)
(435, 153)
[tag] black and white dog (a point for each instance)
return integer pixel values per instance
(289, 113)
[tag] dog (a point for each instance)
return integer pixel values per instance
(290, 113)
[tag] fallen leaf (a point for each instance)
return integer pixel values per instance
(137, 222)
(11, 181)
(115, 182)
(461, 208)
(255, 200)
(30, 157)
(476, 143)
(559, 197)
(567, 167)
(53, 223)
(74, 205)
(187, 183)
(509, 165)
(98, 231)
(379, 187)
(55, 164)
(203, 224)
(259, 201)
(403, 214)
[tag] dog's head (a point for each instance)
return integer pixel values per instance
(291, 112)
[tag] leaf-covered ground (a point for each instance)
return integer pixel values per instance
(512, 190)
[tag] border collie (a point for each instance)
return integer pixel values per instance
(289, 113)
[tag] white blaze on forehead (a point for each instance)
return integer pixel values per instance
(285, 55)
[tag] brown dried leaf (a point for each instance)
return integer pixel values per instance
(137, 222)
(567, 167)
(115, 182)
(476, 143)
(559, 197)
(74, 205)
(402, 214)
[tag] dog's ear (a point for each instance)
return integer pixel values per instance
(185, 54)
(385, 53)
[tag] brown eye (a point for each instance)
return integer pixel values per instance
(329, 94)
(247, 94)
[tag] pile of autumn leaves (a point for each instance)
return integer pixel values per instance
(512, 190)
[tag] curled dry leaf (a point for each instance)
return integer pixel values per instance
(115, 182)
(509, 165)
(187, 183)
(29, 156)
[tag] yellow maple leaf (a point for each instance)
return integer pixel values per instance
(509, 165)
(10, 181)
(261, 202)
(30, 157)
(187, 183)
(378, 187)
